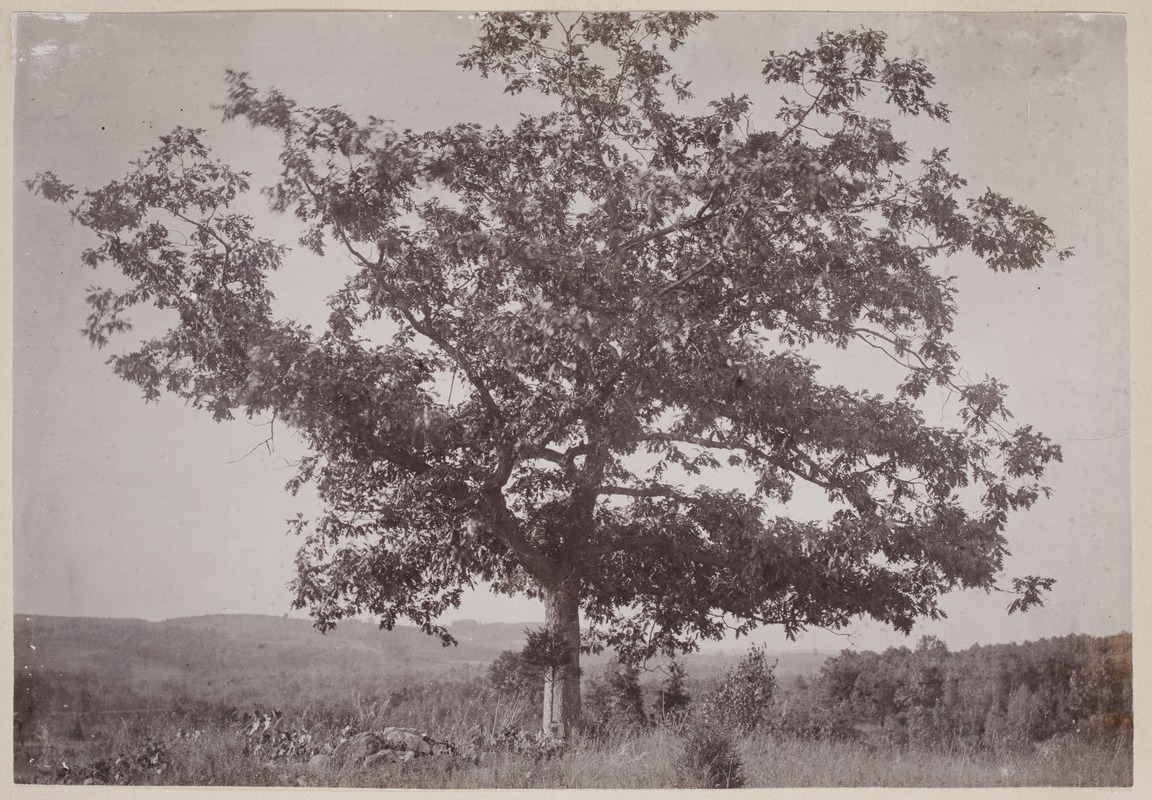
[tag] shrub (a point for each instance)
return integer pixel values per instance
(742, 702)
(710, 759)
(614, 700)
(510, 676)
(674, 699)
(801, 713)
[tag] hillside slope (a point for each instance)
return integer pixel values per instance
(245, 659)
(242, 659)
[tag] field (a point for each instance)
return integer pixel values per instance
(256, 701)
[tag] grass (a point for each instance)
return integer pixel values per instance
(166, 751)
(771, 762)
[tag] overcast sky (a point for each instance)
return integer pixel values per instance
(152, 511)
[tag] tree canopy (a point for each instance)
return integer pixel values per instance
(558, 338)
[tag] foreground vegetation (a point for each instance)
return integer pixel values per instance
(1050, 713)
(167, 752)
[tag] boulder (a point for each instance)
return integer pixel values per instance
(353, 752)
(320, 763)
(408, 739)
(388, 757)
(375, 748)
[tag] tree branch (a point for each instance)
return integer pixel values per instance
(465, 365)
(814, 474)
(507, 528)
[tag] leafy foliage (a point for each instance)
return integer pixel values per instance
(544, 651)
(585, 313)
(998, 696)
(614, 700)
(741, 703)
(674, 699)
(152, 758)
(510, 675)
(268, 738)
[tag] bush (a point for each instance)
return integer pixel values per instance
(710, 759)
(614, 700)
(674, 699)
(801, 713)
(745, 695)
(510, 676)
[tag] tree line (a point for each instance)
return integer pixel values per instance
(986, 696)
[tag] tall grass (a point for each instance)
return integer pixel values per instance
(617, 761)
(786, 762)
(217, 753)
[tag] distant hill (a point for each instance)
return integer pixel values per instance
(246, 659)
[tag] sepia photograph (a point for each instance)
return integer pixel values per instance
(571, 400)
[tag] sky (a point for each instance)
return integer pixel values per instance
(122, 509)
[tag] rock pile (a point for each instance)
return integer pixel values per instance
(374, 748)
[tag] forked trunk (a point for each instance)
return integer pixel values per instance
(562, 683)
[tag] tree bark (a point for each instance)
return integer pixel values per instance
(562, 684)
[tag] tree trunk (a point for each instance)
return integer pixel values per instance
(562, 684)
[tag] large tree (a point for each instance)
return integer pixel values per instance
(559, 340)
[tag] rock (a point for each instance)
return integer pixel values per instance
(320, 763)
(408, 739)
(388, 757)
(375, 748)
(355, 750)
(383, 757)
